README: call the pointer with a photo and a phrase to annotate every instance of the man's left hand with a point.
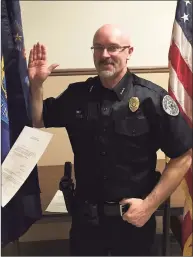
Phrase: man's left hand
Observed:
(137, 213)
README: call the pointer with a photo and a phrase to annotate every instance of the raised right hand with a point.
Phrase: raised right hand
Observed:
(38, 69)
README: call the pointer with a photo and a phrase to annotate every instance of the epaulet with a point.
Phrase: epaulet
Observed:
(91, 79)
(148, 84)
(91, 82)
(83, 84)
(168, 104)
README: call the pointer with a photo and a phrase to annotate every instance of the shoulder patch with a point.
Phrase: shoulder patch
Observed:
(170, 106)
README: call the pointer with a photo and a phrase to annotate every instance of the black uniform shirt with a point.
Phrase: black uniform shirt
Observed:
(114, 145)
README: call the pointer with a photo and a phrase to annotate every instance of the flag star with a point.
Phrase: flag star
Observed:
(18, 37)
(185, 17)
(187, 2)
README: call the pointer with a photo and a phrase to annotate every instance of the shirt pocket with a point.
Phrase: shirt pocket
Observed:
(132, 126)
(83, 121)
(79, 117)
(131, 139)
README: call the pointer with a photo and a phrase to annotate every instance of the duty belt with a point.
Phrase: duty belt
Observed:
(106, 209)
(115, 209)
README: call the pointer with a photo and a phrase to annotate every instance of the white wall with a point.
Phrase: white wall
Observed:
(67, 28)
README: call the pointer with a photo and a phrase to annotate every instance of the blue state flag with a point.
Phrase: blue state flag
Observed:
(25, 207)
(5, 139)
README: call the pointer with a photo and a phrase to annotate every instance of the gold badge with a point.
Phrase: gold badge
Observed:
(134, 104)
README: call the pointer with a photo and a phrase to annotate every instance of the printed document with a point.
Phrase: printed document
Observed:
(21, 159)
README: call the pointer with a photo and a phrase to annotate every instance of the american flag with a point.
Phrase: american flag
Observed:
(180, 88)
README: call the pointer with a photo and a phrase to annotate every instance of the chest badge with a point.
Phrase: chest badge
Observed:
(134, 104)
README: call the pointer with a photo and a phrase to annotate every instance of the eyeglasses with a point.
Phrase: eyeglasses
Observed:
(113, 49)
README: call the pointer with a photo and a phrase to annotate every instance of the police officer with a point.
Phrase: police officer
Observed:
(116, 122)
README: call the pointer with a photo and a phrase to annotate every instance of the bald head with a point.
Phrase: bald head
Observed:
(112, 49)
(110, 33)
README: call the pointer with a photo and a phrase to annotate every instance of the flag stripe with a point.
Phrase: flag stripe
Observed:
(188, 177)
(185, 48)
(187, 251)
(180, 94)
(188, 200)
(187, 229)
(180, 88)
(180, 108)
(179, 65)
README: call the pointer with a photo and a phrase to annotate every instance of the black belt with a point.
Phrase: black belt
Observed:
(92, 210)
(115, 209)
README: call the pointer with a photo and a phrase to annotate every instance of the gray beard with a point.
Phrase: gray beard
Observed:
(106, 74)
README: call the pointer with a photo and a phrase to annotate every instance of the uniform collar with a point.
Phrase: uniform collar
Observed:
(122, 87)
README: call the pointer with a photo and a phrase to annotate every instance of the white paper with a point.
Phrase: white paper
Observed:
(21, 159)
(57, 204)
